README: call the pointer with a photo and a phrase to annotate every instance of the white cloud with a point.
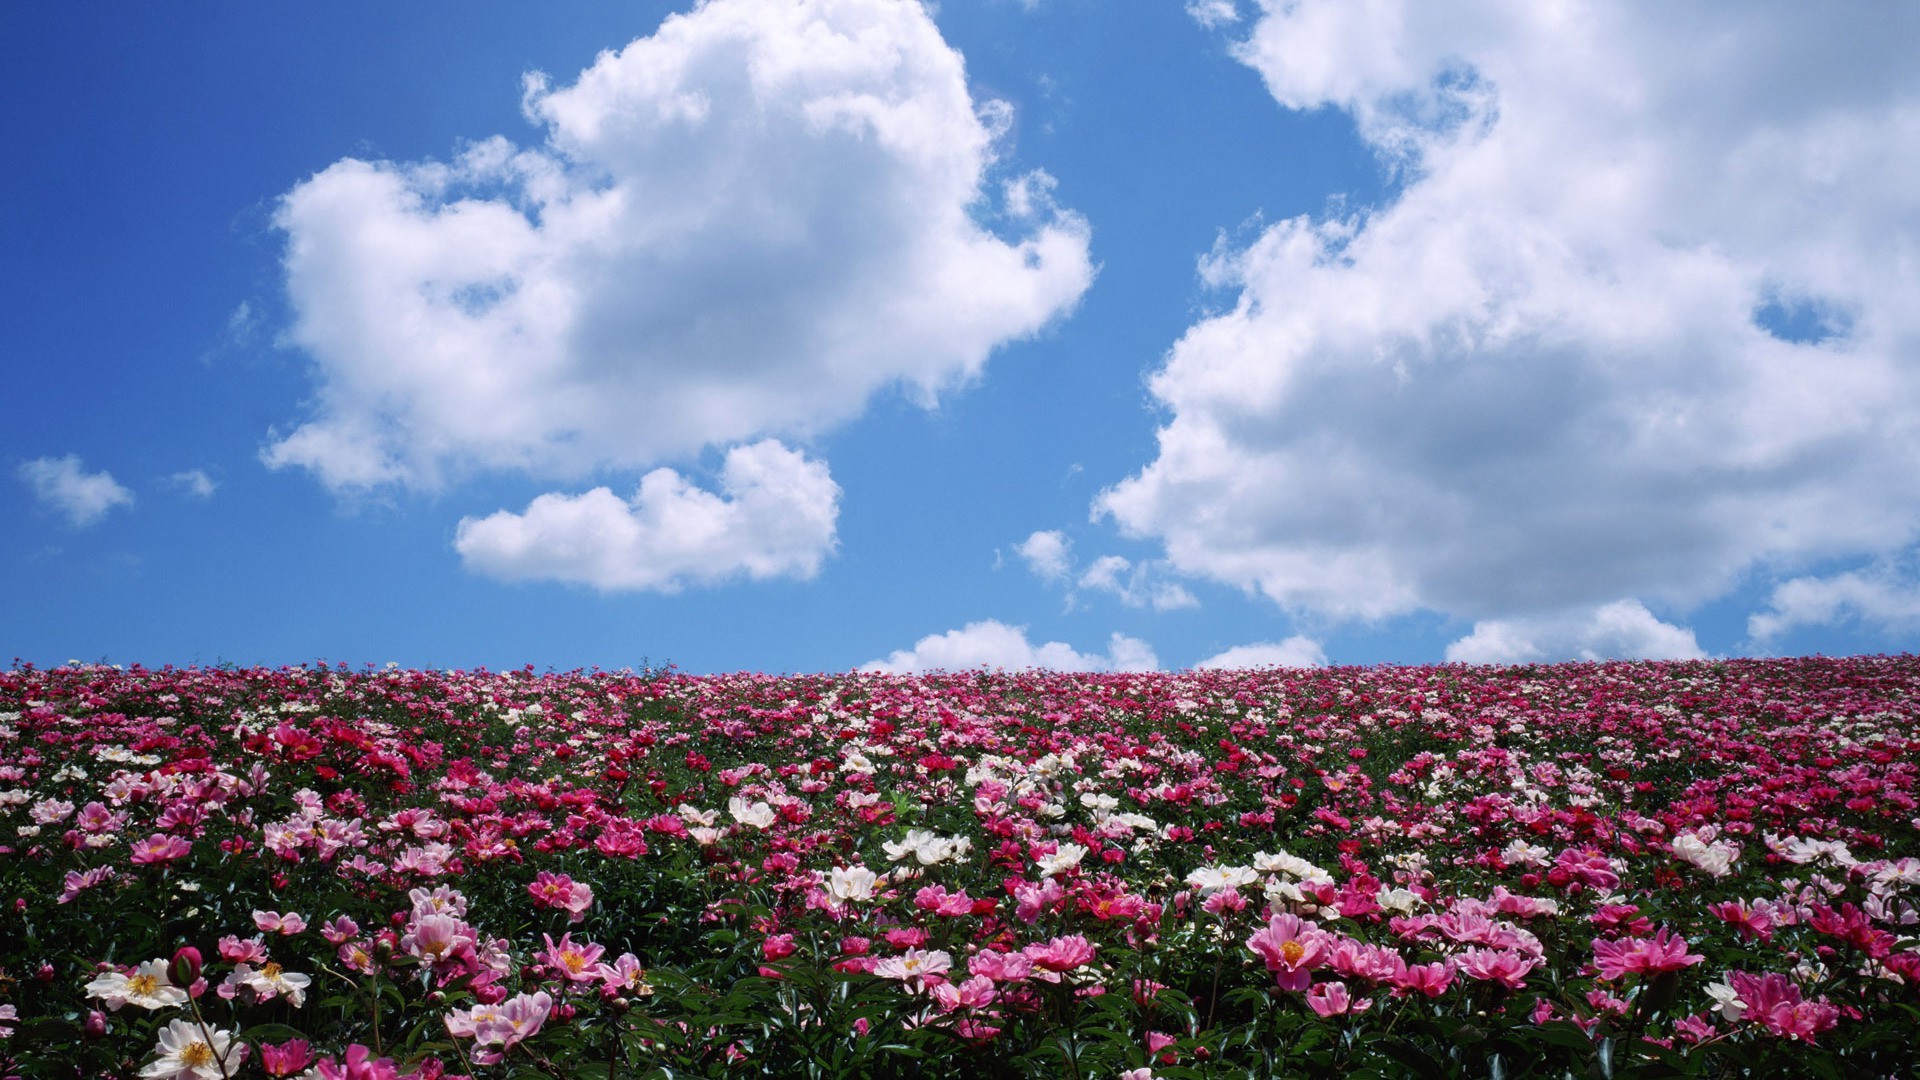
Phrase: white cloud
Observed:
(1297, 651)
(1213, 14)
(1136, 584)
(994, 644)
(775, 517)
(743, 225)
(1622, 630)
(1046, 554)
(1049, 554)
(64, 486)
(1557, 368)
(1878, 596)
(195, 482)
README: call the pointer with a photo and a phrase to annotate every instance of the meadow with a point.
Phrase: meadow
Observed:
(1609, 870)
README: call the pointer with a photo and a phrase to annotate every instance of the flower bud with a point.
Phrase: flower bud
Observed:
(96, 1025)
(185, 968)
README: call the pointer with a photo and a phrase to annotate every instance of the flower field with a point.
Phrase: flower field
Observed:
(1630, 869)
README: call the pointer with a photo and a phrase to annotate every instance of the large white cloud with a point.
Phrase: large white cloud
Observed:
(63, 485)
(1624, 630)
(743, 225)
(994, 644)
(1881, 596)
(1298, 651)
(774, 518)
(1639, 322)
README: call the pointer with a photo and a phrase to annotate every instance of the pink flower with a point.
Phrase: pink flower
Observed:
(159, 848)
(1575, 866)
(561, 892)
(438, 938)
(339, 929)
(1509, 969)
(625, 975)
(285, 1059)
(1774, 1002)
(777, 946)
(1060, 954)
(1753, 923)
(1332, 999)
(575, 963)
(972, 994)
(999, 966)
(251, 951)
(1291, 948)
(1429, 979)
(273, 921)
(359, 1065)
(938, 900)
(77, 882)
(1664, 951)
(496, 1028)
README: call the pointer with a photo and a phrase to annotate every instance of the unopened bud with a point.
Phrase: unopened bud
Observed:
(185, 969)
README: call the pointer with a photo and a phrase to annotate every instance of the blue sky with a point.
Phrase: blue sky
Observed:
(799, 335)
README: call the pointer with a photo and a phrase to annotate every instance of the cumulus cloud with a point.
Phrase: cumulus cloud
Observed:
(1297, 651)
(1622, 630)
(63, 486)
(1047, 554)
(1879, 595)
(743, 225)
(994, 644)
(774, 517)
(1638, 321)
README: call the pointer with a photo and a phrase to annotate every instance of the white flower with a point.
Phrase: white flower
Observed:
(1213, 879)
(189, 1052)
(148, 987)
(271, 981)
(1726, 1000)
(846, 883)
(1714, 857)
(915, 964)
(1521, 853)
(928, 848)
(759, 814)
(1066, 858)
(1402, 901)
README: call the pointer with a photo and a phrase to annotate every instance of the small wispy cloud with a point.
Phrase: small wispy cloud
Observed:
(63, 485)
(195, 482)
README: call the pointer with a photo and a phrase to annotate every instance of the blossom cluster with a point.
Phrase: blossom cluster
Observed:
(382, 874)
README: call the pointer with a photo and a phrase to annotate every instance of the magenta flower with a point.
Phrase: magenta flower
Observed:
(285, 1059)
(575, 963)
(1664, 951)
(999, 966)
(360, 1064)
(972, 994)
(1774, 1002)
(1429, 979)
(159, 848)
(1060, 954)
(561, 892)
(1509, 969)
